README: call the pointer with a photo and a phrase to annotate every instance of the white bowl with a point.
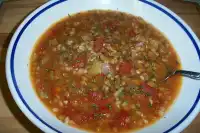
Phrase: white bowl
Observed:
(185, 107)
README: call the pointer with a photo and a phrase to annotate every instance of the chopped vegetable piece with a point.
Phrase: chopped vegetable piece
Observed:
(56, 91)
(125, 68)
(98, 44)
(148, 89)
(105, 69)
(95, 68)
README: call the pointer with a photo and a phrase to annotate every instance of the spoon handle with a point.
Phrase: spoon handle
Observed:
(189, 74)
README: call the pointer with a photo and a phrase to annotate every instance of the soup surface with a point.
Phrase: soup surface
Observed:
(103, 71)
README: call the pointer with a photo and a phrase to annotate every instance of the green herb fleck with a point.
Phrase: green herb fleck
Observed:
(121, 94)
(78, 61)
(150, 105)
(147, 94)
(146, 58)
(105, 97)
(125, 103)
(109, 106)
(138, 91)
(98, 115)
(152, 76)
(95, 106)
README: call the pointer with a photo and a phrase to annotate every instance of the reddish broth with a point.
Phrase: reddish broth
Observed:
(102, 71)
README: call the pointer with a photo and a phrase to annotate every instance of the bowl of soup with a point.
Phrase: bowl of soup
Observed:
(73, 66)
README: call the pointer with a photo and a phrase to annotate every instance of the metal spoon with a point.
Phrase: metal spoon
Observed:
(189, 74)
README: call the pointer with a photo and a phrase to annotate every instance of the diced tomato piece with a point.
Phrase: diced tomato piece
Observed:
(142, 99)
(52, 34)
(55, 91)
(148, 89)
(78, 84)
(125, 68)
(80, 62)
(103, 109)
(112, 26)
(104, 26)
(132, 33)
(40, 87)
(69, 110)
(98, 44)
(101, 75)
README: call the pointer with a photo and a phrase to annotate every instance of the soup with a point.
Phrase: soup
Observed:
(103, 71)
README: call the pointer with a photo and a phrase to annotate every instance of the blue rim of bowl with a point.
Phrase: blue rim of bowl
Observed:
(60, 1)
